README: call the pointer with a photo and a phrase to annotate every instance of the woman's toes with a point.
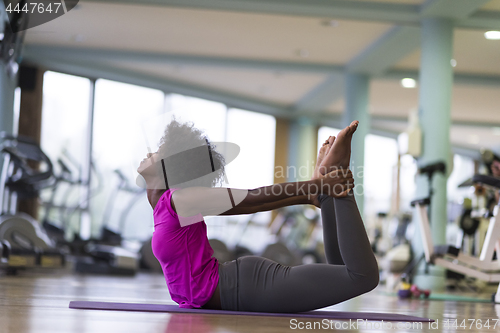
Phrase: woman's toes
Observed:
(353, 126)
(323, 150)
(329, 145)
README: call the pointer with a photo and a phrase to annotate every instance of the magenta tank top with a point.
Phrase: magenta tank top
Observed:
(185, 255)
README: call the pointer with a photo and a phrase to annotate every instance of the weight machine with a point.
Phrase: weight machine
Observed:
(485, 267)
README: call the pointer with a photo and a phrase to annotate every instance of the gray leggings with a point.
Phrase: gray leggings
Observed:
(261, 285)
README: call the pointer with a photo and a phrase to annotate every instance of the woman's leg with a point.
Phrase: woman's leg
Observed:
(264, 285)
(331, 243)
(258, 284)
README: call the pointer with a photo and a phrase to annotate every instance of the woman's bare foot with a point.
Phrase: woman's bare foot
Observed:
(323, 151)
(339, 154)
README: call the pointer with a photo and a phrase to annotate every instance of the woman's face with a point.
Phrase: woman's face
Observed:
(150, 160)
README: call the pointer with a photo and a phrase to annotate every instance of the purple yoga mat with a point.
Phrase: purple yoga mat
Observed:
(312, 314)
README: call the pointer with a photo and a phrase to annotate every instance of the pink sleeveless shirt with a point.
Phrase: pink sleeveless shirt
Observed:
(185, 255)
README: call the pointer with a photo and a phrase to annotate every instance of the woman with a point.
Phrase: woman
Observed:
(181, 193)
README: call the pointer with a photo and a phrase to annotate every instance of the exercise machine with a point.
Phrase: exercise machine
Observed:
(485, 267)
(394, 237)
(221, 251)
(109, 235)
(474, 218)
(57, 229)
(224, 253)
(295, 232)
(26, 170)
(4, 254)
(278, 250)
(107, 255)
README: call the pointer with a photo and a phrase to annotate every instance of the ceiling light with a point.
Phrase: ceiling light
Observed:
(493, 35)
(330, 23)
(408, 83)
(453, 63)
(1, 36)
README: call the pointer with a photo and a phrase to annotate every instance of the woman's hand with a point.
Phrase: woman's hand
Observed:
(336, 183)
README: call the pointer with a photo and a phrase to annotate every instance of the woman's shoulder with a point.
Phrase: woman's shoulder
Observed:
(165, 204)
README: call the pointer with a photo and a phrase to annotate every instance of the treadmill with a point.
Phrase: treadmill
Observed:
(25, 171)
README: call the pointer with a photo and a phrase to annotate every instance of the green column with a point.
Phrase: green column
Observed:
(435, 85)
(302, 152)
(357, 96)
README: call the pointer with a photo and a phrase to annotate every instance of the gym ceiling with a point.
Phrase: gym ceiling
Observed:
(283, 57)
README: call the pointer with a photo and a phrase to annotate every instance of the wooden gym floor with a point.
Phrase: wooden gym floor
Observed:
(38, 302)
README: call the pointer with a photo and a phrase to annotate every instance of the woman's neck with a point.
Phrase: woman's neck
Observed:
(154, 195)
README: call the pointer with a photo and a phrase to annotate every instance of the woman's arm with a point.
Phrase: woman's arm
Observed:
(217, 201)
(297, 200)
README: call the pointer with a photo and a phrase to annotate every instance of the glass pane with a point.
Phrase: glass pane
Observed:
(121, 115)
(254, 167)
(208, 116)
(323, 133)
(65, 113)
(381, 158)
(255, 134)
(408, 186)
(17, 106)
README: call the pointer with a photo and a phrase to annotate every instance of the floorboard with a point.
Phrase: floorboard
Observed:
(37, 302)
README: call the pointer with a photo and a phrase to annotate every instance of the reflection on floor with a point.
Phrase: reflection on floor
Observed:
(34, 302)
